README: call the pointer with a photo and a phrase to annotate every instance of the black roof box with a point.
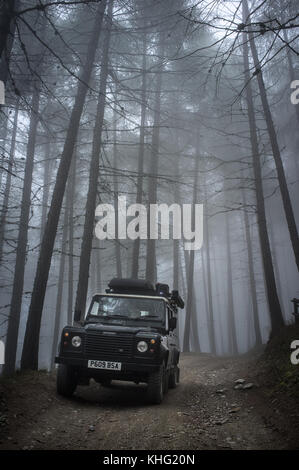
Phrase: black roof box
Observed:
(131, 286)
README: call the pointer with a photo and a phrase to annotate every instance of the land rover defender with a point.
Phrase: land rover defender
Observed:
(128, 333)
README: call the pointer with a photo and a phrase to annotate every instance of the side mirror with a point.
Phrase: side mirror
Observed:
(172, 323)
(175, 296)
(77, 316)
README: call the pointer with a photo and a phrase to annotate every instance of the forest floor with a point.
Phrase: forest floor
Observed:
(205, 411)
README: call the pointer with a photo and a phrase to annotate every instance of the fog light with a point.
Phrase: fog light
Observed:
(76, 341)
(142, 346)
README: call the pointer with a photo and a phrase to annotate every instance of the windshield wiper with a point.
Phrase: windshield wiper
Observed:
(117, 316)
(108, 316)
(145, 317)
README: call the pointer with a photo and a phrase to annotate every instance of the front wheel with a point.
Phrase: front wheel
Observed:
(66, 380)
(174, 377)
(155, 386)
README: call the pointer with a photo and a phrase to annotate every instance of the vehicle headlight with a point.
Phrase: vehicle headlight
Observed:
(76, 341)
(142, 346)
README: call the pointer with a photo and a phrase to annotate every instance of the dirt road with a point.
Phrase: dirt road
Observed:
(203, 412)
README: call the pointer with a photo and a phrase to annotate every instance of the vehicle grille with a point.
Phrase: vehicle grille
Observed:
(110, 347)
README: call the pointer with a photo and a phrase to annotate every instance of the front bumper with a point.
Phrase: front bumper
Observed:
(128, 368)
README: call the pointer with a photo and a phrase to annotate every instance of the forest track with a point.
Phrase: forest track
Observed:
(203, 412)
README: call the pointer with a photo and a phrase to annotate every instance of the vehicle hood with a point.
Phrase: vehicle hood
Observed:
(99, 327)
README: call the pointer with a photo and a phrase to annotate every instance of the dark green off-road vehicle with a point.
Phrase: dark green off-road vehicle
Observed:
(128, 333)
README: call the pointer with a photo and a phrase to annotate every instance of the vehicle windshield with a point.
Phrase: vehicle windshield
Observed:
(134, 309)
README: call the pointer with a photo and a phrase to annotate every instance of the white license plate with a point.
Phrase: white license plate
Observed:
(104, 365)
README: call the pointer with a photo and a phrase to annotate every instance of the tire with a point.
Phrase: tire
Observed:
(173, 377)
(66, 381)
(156, 386)
(177, 374)
(166, 382)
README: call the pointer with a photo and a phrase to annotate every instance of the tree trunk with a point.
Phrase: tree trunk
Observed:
(115, 191)
(93, 178)
(151, 262)
(194, 338)
(18, 282)
(204, 286)
(287, 203)
(190, 277)
(275, 263)
(57, 316)
(31, 341)
(136, 243)
(3, 138)
(183, 286)
(176, 243)
(93, 277)
(7, 28)
(8, 182)
(232, 334)
(71, 198)
(257, 330)
(178, 287)
(98, 266)
(273, 300)
(46, 188)
(210, 310)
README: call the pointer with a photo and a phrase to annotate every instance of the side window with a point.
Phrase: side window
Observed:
(94, 308)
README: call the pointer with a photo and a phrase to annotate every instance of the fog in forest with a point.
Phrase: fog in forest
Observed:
(163, 102)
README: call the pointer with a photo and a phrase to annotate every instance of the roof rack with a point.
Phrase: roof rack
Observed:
(144, 287)
(129, 286)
